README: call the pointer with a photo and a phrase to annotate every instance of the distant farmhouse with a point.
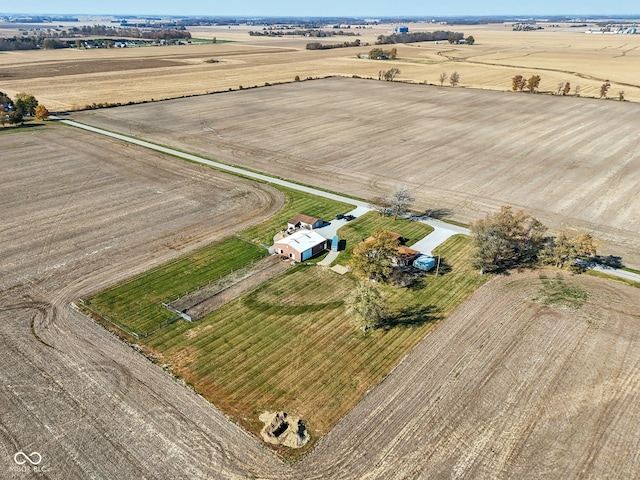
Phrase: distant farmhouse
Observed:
(401, 29)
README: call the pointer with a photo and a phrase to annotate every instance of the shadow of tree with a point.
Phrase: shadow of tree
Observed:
(438, 213)
(414, 316)
(443, 269)
(612, 261)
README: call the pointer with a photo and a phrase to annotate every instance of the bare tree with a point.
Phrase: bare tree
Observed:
(604, 89)
(566, 89)
(381, 205)
(400, 201)
(560, 85)
(443, 78)
(577, 90)
(454, 79)
(621, 95)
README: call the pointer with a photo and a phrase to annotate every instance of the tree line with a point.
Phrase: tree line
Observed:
(512, 239)
(520, 83)
(301, 33)
(131, 32)
(329, 46)
(14, 43)
(55, 40)
(412, 37)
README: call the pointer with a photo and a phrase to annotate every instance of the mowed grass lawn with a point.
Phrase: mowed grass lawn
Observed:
(136, 305)
(290, 345)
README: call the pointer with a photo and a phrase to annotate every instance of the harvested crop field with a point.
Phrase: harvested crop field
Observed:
(506, 387)
(558, 53)
(571, 162)
(80, 212)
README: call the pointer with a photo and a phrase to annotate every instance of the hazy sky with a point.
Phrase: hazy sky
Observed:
(369, 8)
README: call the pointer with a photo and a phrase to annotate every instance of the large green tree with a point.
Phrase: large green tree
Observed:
(367, 305)
(371, 259)
(26, 104)
(507, 239)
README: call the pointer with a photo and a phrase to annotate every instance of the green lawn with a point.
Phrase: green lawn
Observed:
(136, 305)
(291, 345)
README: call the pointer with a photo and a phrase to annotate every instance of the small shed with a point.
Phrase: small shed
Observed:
(304, 221)
(424, 262)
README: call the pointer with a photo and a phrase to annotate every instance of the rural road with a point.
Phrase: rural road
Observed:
(442, 230)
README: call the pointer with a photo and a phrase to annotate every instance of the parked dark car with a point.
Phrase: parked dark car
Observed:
(348, 218)
(339, 216)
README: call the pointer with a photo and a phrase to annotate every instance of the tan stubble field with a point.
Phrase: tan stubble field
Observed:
(70, 79)
(467, 151)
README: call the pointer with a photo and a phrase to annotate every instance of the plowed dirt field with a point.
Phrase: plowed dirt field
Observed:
(571, 162)
(78, 212)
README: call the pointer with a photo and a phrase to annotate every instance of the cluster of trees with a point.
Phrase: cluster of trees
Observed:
(372, 261)
(131, 32)
(328, 46)
(388, 75)
(454, 78)
(24, 105)
(510, 239)
(50, 41)
(412, 37)
(15, 43)
(564, 88)
(519, 83)
(380, 54)
(302, 33)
